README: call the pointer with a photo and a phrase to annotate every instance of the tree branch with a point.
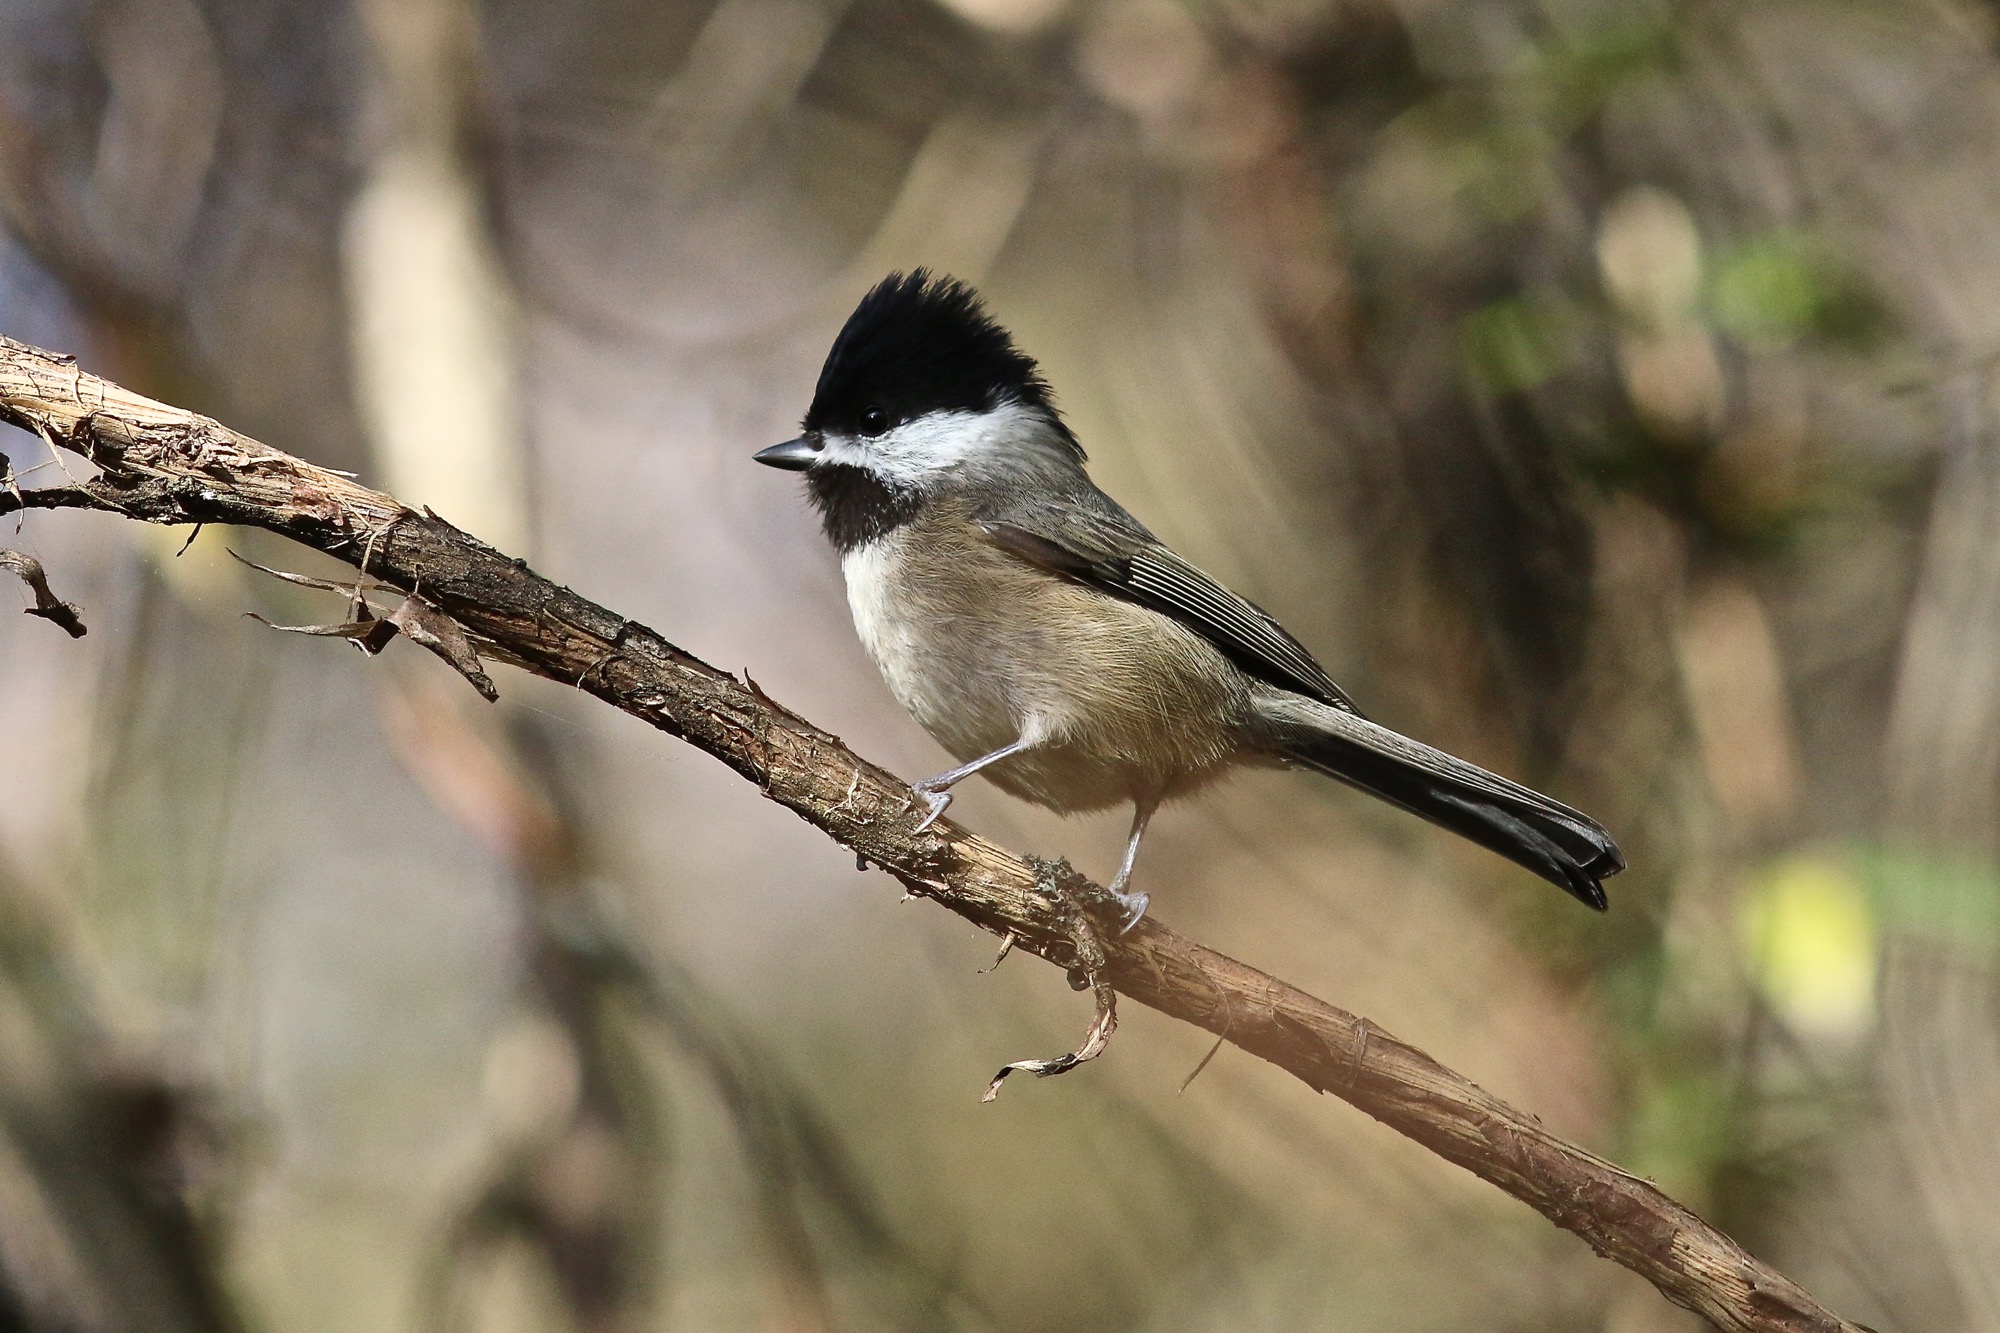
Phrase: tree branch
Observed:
(160, 464)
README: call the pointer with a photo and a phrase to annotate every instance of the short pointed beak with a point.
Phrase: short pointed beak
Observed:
(793, 455)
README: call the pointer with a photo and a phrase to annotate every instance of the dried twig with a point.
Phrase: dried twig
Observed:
(1102, 1025)
(47, 605)
(1087, 973)
(165, 465)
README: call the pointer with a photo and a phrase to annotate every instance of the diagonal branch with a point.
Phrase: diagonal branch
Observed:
(161, 464)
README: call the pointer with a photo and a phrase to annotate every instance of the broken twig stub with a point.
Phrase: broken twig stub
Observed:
(47, 605)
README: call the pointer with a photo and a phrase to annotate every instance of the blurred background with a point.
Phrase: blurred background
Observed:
(1604, 389)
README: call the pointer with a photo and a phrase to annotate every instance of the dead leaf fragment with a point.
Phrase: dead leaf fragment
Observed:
(369, 633)
(426, 625)
(431, 628)
(1102, 1025)
(47, 605)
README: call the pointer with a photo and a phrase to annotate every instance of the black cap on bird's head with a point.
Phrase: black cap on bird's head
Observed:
(915, 346)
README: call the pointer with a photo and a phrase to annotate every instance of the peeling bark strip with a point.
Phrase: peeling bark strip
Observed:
(163, 465)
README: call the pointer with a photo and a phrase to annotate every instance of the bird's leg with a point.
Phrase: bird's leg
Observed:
(937, 791)
(1134, 904)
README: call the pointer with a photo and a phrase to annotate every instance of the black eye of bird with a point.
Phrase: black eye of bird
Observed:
(874, 421)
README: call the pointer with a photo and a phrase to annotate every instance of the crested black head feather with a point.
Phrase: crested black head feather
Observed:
(918, 344)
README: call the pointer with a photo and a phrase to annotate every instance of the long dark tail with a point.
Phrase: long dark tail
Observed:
(1564, 846)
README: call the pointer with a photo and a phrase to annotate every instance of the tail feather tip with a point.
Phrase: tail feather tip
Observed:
(1586, 882)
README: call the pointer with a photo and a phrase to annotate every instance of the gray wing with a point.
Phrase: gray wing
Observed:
(1098, 544)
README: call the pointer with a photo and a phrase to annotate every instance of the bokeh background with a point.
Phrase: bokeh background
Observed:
(1605, 389)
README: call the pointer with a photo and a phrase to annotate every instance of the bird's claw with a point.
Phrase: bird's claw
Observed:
(1126, 907)
(1132, 906)
(938, 801)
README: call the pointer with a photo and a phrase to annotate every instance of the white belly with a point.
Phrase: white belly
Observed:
(936, 665)
(984, 650)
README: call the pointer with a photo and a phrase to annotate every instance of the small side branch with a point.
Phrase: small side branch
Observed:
(47, 605)
(161, 464)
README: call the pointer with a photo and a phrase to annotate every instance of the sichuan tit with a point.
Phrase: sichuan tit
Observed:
(1050, 642)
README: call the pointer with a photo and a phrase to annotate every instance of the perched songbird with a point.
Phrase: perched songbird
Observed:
(1050, 642)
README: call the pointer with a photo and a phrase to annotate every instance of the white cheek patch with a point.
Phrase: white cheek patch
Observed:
(842, 449)
(919, 450)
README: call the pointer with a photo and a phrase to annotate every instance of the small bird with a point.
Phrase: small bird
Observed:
(1050, 642)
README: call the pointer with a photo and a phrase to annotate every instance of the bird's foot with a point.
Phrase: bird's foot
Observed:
(1132, 906)
(1128, 907)
(937, 801)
